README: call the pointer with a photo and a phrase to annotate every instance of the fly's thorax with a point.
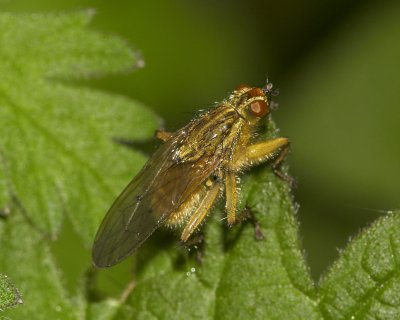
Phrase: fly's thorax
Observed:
(209, 134)
(238, 141)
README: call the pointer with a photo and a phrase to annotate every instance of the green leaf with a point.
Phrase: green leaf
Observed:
(57, 157)
(9, 295)
(26, 256)
(56, 137)
(365, 281)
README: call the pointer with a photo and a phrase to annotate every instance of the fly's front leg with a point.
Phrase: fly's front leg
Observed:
(262, 151)
(259, 152)
(278, 172)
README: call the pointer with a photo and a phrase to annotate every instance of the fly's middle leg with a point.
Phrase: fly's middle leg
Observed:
(204, 207)
(231, 193)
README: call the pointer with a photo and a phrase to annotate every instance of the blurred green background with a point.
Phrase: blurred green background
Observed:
(337, 64)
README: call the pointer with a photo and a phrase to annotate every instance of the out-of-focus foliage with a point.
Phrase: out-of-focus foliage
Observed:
(54, 138)
(48, 159)
(343, 121)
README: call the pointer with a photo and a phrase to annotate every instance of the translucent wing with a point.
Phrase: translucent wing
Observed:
(149, 199)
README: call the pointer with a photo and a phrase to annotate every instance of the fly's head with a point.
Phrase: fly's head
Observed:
(251, 103)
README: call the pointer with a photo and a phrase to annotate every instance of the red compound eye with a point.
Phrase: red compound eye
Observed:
(259, 108)
(256, 92)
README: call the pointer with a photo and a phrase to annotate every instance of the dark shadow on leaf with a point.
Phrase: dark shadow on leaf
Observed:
(161, 241)
(146, 146)
(91, 292)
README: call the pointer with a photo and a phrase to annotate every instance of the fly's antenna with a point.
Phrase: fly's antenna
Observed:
(269, 90)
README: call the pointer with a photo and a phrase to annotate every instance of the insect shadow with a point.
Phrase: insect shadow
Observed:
(231, 235)
(161, 241)
(146, 146)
